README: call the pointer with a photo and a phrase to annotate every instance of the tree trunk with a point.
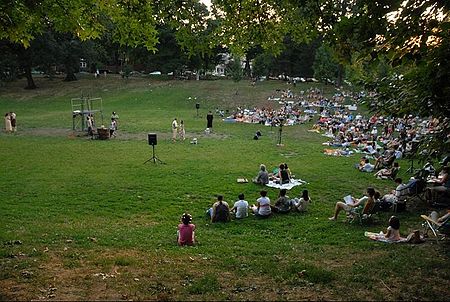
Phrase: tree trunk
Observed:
(247, 69)
(70, 76)
(340, 75)
(30, 81)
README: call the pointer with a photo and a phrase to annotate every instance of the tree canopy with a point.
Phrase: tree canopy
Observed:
(399, 48)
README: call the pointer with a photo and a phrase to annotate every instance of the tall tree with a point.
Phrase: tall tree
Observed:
(325, 66)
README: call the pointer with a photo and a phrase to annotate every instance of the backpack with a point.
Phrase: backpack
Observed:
(222, 213)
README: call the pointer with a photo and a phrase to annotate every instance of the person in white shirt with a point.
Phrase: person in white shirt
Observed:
(262, 208)
(240, 207)
(174, 129)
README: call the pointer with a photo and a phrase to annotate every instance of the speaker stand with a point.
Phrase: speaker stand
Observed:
(154, 158)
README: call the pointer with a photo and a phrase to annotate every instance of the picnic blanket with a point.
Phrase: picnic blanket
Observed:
(288, 186)
(380, 237)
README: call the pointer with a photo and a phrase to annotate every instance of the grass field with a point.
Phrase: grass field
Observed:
(86, 219)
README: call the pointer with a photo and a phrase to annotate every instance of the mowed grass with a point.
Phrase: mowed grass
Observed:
(95, 222)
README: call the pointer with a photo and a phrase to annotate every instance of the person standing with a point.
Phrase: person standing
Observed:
(90, 125)
(182, 131)
(113, 128)
(115, 116)
(209, 120)
(174, 129)
(13, 121)
(8, 127)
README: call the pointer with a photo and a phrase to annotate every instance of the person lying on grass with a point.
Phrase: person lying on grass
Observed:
(186, 231)
(366, 201)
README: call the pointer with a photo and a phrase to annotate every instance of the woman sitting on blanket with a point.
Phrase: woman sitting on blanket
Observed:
(288, 170)
(392, 232)
(283, 175)
(367, 201)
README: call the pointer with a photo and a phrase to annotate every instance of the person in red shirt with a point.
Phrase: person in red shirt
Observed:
(186, 231)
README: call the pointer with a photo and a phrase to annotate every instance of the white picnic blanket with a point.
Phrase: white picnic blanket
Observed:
(288, 186)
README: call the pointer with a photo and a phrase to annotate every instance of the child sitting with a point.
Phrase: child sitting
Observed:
(392, 233)
(186, 231)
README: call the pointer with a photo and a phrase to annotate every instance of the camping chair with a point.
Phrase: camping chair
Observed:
(417, 189)
(440, 230)
(356, 214)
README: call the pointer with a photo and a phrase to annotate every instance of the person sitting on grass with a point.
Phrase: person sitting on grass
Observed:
(282, 204)
(366, 201)
(385, 161)
(392, 231)
(220, 211)
(367, 167)
(263, 176)
(386, 173)
(262, 207)
(186, 231)
(301, 204)
(240, 207)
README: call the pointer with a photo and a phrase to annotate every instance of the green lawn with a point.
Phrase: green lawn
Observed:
(95, 222)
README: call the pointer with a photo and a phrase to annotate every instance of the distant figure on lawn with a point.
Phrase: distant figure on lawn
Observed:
(115, 117)
(209, 120)
(220, 211)
(112, 128)
(174, 129)
(263, 176)
(8, 127)
(13, 121)
(182, 131)
(90, 125)
(186, 231)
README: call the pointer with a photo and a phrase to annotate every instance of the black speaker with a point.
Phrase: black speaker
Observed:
(152, 139)
(197, 105)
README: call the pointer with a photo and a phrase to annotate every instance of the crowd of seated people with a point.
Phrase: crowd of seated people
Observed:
(220, 211)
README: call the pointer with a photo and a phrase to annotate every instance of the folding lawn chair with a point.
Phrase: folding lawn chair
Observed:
(356, 214)
(440, 230)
